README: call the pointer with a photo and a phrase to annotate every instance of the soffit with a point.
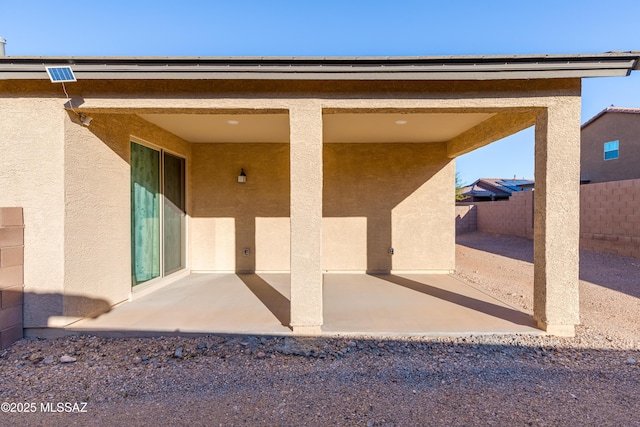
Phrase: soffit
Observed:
(398, 127)
(337, 128)
(224, 128)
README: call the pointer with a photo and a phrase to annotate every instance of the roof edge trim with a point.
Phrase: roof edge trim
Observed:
(331, 68)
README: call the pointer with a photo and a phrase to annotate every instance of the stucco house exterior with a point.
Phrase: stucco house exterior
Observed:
(133, 179)
(610, 146)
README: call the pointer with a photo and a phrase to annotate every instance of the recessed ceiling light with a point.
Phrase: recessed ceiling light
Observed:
(233, 122)
(401, 122)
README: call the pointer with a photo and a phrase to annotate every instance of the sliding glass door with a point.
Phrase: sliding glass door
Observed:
(174, 213)
(157, 213)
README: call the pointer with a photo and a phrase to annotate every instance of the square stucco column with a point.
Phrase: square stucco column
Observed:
(306, 217)
(557, 218)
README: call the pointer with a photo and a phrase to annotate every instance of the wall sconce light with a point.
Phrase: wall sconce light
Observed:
(85, 120)
(391, 251)
(242, 178)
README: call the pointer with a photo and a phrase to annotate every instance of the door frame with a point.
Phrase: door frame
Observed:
(163, 278)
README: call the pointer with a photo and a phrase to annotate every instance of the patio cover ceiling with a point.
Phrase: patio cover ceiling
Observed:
(338, 128)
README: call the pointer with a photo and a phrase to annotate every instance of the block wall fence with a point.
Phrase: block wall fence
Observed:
(466, 218)
(609, 217)
(11, 275)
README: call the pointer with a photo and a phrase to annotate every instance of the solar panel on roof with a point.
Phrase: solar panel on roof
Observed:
(61, 74)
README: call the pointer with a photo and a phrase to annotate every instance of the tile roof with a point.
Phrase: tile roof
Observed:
(611, 109)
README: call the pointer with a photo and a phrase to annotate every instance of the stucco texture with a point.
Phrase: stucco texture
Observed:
(375, 196)
(557, 217)
(32, 177)
(228, 217)
(382, 196)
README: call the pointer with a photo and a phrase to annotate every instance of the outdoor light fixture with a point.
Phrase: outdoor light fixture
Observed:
(401, 122)
(242, 178)
(85, 120)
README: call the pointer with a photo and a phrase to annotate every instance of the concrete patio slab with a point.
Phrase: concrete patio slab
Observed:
(415, 304)
(354, 304)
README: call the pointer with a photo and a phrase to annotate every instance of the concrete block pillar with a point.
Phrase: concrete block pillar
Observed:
(306, 217)
(557, 217)
(11, 275)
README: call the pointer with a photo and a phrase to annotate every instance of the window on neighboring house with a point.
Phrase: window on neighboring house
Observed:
(611, 150)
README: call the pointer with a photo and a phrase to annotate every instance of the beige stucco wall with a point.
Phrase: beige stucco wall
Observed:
(381, 196)
(73, 183)
(97, 224)
(227, 217)
(375, 196)
(32, 177)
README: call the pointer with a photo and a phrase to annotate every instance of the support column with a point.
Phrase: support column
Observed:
(306, 217)
(557, 218)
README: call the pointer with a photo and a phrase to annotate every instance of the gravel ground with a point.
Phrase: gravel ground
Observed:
(592, 379)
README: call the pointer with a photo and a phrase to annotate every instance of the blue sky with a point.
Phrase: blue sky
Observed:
(344, 28)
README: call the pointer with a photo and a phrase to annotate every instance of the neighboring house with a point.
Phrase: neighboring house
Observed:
(610, 146)
(155, 168)
(491, 189)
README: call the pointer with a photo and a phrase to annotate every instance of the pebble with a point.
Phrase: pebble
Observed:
(178, 353)
(631, 361)
(36, 358)
(67, 359)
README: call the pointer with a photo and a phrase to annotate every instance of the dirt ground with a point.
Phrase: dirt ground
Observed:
(609, 285)
(517, 380)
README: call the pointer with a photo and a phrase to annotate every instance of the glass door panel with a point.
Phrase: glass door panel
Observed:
(174, 213)
(145, 213)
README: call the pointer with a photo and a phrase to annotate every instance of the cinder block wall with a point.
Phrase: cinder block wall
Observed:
(11, 275)
(513, 217)
(610, 217)
(466, 218)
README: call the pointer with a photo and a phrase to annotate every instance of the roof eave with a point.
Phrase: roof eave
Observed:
(167, 75)
(332, 68)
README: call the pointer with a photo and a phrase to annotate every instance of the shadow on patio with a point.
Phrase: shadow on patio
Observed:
(354, 304)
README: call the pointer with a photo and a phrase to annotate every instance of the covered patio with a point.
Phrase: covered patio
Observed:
(287, 195)
(354, 304)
